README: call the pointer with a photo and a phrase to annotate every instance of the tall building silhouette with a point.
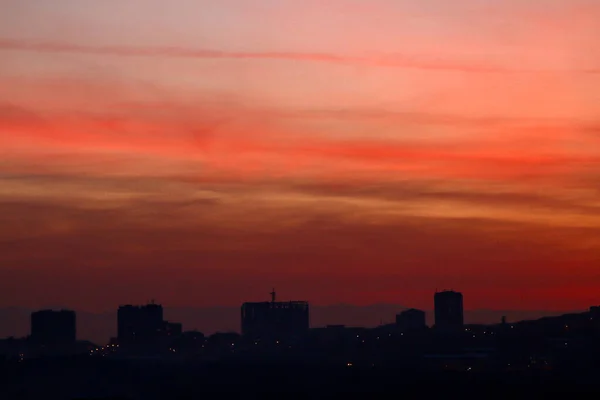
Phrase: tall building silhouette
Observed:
(52, 328)
(448, 310)
(275, 319)
(139, 323)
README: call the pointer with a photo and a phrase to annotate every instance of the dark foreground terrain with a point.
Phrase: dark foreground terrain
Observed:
(144, 379)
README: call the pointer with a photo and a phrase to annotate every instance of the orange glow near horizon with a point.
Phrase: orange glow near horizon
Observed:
(345, 152)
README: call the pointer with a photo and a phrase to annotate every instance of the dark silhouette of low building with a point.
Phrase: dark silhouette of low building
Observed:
(223, 344)
(411, 320)
(172, 329)
(275, 319)
(448, 310)
(190, 343)
(53, 328)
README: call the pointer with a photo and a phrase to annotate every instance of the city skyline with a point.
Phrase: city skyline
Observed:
(342, 152)
(97, 327)
(276, 315)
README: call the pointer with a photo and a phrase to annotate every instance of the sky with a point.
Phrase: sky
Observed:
(362, 152)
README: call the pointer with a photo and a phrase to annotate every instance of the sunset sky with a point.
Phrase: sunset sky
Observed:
(201, 152)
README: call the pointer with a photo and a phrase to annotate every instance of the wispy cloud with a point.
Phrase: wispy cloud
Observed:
(384, 60)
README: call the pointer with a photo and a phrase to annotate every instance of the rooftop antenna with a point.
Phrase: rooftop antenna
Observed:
(272, 296)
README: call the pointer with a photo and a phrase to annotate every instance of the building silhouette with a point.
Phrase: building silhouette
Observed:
(172, 329)
(136, 324)
(275, 319)
(143, 331)
(411, 320)
(448, 306)
(53, 328)
(277, 336)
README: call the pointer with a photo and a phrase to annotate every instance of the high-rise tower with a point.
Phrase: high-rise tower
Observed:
(449, 310)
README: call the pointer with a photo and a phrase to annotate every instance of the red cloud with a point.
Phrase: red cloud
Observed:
(255, 149)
